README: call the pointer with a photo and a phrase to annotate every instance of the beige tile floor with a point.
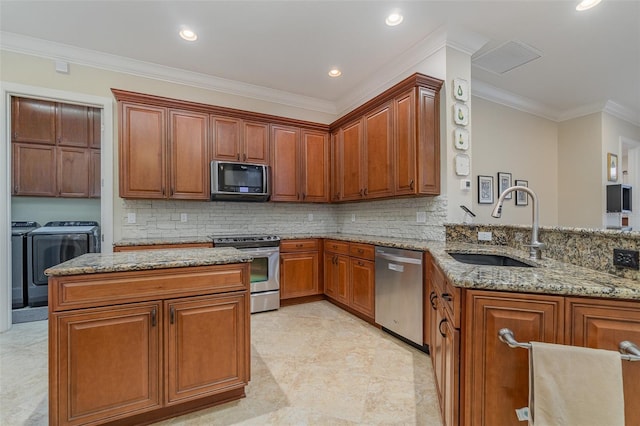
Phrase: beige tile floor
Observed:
(312, 364)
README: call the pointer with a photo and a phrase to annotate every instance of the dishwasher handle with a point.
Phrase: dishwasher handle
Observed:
(399, 259)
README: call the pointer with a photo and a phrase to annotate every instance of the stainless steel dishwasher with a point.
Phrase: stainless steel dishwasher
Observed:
(399, 293)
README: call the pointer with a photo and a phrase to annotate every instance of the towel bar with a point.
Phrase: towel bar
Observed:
(629, 351)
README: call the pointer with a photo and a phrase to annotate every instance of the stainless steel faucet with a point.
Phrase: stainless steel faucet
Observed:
(535, 248)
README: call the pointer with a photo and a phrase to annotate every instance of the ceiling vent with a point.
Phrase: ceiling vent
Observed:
(506, 57)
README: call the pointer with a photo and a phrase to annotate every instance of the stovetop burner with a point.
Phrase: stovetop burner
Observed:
(246, 241)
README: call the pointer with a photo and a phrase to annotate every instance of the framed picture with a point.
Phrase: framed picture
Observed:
(504, 182)
(461, 138)
(485, 189)
(612, 167)
(461, 89)
(461, 114)
(522, 198)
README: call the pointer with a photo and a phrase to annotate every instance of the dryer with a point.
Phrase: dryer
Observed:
(19, 232)
(52, 244)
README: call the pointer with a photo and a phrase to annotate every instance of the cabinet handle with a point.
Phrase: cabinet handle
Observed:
(442, 321)
(172, 315)
(360, 263)
(366, 191)
(335, 260)
(16, 189)
(163, 191)
(238, 156)
(304, 196)
(15, 135)
(338, 196)
(244, 157)
(411, 184)
(361, 191)
(432, 299)
(447, 297)
(360, 251)
(299, 245)
(153, 317)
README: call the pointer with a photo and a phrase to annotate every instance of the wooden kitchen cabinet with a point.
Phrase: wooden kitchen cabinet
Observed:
(603, 324)
(348, 162)
(300, 164)
(234, 139)
(490, 364)
(405, 144)
(299, 268)
(135, 347)
(350, 276)
(378, 153)
(52, 154)
(163, 153)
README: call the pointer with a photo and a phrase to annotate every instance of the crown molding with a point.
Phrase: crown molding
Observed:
(56, 51)
(622, 113)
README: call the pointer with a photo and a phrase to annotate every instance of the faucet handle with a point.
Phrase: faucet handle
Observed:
(536, 244)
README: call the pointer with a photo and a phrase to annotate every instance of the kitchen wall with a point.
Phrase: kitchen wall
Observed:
(507, 140)
(46, 209)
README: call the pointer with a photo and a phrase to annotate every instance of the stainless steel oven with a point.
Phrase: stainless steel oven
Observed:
(265, 268)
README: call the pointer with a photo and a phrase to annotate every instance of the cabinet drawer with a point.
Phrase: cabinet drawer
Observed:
(298, 245)
(335, 246)
(447, 295)
(92, 290)
(363, 251)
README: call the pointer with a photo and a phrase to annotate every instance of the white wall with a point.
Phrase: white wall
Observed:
(507, 140)
(46, 209)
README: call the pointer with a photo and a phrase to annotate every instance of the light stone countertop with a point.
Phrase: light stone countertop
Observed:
(548, 277)
(139, 260)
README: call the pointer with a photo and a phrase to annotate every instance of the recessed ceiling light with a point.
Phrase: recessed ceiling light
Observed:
(188, 34)
(335, 72)
(586, 4)
(394, 19)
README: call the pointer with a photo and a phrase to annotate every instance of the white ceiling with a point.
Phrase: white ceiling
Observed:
(285, 48)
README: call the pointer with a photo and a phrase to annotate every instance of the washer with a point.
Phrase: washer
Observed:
(19, 231)
(52, 244)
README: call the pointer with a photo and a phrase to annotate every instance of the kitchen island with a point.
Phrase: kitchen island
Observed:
(136, 337)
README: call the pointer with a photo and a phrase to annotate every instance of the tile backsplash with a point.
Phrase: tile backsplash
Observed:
(392, 218)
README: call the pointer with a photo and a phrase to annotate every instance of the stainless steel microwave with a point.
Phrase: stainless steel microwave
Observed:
(239, 181)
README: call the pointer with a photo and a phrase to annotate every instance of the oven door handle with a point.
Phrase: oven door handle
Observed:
(260, 251)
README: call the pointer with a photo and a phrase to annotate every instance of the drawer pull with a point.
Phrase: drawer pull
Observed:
(153, 317)
(299, 245)
(447, 297)
(432, 299)
(442, 321)
(172, 315)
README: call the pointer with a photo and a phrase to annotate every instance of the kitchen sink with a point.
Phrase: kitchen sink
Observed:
(488, 259)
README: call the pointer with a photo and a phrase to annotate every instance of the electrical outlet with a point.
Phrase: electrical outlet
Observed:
(183, 217)
(626, 258)
(131, 218)
(484, 236)
(421, 217)
(310, 217)
(353, 217)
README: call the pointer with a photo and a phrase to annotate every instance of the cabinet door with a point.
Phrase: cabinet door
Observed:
(95, 176)
(330, 274)
(255, 142)
(494, 366)
(405, 144)
(362, 292)
(73, 125)
(225, 138)
(285, 164)
(299, 274)
(188, 173)
(34, 170)
(108, 363)
(33, 121)
(95, 128)
(342, 279)
(450, 373)
(336, 166)
(352, 159)
(603, 324)
(315, 166)
(73, 172)
(428, 142)
(378, 147)
(142, 151)
(207, 348)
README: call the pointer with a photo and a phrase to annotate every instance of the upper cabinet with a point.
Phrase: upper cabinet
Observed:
(55, 149)
(163, 153)
(234, 139)
(300, 164)
(389, 146)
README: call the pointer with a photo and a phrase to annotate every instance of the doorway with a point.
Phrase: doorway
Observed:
(631, 176)
(106, 203)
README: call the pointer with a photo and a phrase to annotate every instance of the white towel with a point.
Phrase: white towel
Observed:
(574, 386)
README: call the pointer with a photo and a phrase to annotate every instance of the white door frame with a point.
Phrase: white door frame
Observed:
(633, 179)
(106, 200)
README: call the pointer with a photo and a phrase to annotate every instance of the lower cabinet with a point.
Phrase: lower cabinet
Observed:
(496, 376)
(603, 324)
(136, 362)
(299, 268)
(349, 272)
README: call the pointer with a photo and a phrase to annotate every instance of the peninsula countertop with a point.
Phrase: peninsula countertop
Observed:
(547, 277)
(94, 263)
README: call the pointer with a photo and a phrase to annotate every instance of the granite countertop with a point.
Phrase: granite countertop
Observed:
(128, 242)
(94, 263)
(548, 277)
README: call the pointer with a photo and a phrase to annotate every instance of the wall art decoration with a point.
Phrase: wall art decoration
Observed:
(612, 167)
(504, 182)
(485, 189)
(522, 198)
(460, 114)
(461, 138)
(461, 89)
